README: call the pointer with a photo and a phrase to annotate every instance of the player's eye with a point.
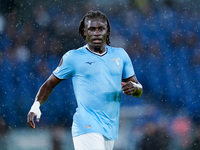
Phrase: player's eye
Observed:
(101, 29)
(92, 29)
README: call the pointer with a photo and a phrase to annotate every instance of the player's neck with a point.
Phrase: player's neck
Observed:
(98, 50)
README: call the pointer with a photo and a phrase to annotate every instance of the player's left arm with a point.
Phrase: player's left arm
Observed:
(131, 86)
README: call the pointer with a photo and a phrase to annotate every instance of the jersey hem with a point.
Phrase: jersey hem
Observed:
(76, 135)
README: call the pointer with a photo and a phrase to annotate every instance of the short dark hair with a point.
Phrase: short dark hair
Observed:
(92, 15)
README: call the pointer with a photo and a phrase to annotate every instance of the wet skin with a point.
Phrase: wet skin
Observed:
(96, 32)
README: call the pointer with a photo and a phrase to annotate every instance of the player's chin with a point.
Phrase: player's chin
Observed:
(99, 43)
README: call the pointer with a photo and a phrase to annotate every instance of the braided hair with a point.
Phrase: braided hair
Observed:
(92, 15)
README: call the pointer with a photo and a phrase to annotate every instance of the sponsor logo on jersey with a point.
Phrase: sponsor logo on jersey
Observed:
(90, 62)
(116, 60)
(87, 126)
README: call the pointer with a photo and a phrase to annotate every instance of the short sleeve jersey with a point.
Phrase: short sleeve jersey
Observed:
(97, 85)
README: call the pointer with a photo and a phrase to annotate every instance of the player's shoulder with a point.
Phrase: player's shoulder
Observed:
(115, 48)
(118, 50)
(74, 52)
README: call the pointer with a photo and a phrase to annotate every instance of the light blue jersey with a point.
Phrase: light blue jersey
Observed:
(97, 86)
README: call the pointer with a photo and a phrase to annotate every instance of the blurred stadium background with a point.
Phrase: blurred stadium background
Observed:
(163, 40)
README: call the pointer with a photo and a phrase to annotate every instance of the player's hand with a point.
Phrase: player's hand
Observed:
(30, 119)
(35, 111)
(128, 88)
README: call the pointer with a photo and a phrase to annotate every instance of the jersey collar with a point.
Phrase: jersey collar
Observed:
(86, 46)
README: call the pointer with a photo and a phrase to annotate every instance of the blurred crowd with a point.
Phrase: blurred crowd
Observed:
(161, 38)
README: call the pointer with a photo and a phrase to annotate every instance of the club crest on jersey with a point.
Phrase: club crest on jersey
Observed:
(61, 61)
(116, 60)
(58, 68)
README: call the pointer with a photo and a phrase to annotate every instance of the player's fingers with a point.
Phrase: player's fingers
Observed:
(123, 84)
(31, 124)
(126, 84)
(129, 91)
(30, 118)
(38, 119)
(125, 88)
(128, 88)
(32, 115)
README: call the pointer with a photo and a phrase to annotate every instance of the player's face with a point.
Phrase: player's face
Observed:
(96, 32)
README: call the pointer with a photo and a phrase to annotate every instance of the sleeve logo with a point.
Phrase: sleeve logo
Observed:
(61, 61)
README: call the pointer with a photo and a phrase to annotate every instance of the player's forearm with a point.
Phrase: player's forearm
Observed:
(43, 93)
(46, 89)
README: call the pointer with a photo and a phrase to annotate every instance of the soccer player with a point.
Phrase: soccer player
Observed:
(100, 73)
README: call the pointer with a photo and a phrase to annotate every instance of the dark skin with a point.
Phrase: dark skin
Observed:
(42, 95)
(96, 33)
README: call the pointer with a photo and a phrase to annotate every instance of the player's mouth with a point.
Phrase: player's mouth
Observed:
(97, 41)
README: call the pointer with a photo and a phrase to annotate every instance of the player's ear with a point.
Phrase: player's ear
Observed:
(84, 32)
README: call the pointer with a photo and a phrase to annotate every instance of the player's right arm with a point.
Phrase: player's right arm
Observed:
(42, 95)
